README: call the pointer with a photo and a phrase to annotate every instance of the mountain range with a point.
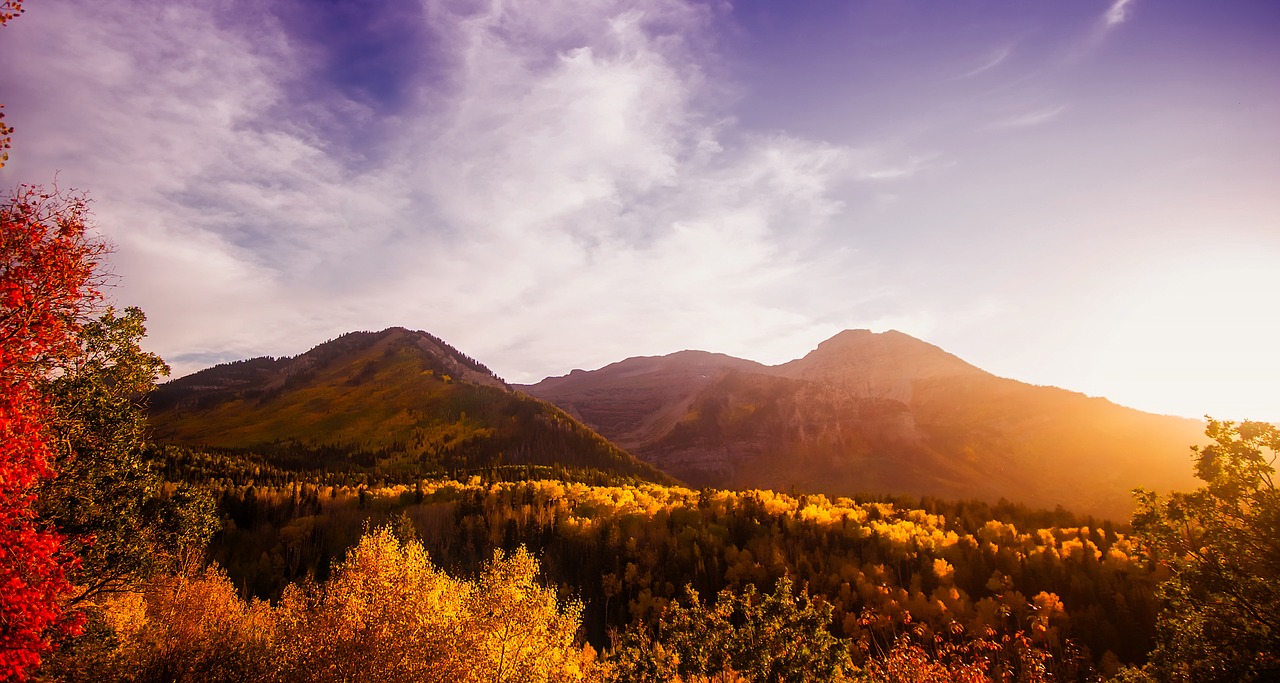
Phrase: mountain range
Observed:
(886, 413)
(864, 413)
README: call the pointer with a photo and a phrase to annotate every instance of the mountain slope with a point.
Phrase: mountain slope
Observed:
(884, 413)
(396, 400)
(639, 399)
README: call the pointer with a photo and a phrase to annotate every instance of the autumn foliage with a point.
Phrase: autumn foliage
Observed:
(48, 264)
(386, 614)
(1221, 608)
(9, 10)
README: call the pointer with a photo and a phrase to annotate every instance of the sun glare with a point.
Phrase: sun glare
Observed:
(1196, 338)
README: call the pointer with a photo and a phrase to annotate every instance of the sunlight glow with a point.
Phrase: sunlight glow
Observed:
(1196, 337)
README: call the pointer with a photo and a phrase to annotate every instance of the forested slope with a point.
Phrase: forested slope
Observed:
(396, 402)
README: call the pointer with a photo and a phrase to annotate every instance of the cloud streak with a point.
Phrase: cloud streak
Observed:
(1029, 119)
(996, 58)
(1118, 12)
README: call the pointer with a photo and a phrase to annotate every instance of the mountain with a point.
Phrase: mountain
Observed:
(640, 399)
(878, 413)
(395, 401)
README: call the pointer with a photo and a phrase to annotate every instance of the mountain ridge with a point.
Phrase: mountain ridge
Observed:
(863, 412)
(868, 411)
(404, 401)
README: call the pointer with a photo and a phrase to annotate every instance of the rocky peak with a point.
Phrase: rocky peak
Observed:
(875, 365)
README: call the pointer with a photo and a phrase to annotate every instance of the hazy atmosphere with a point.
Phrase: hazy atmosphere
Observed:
(1076, 193)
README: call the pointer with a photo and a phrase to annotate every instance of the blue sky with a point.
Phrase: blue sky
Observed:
(1068, 192)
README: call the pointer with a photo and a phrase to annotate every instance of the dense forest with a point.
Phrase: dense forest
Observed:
(627, 552)
(662, 582)
(122, 560)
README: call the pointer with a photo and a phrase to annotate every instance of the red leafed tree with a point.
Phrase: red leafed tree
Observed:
(48, 282)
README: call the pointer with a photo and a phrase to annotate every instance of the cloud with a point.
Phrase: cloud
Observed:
(558, 184)
(996, 58)
(1088, 42)
(1029, 119)
(615, 207)
(1118, 12)
(877, 167)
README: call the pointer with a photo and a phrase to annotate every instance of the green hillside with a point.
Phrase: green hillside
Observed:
(396, 401)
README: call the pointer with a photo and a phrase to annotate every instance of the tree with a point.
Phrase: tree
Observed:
(385, 614)
(48, 263)
(772, 638)
(388, 614)
(1221, 614)
(186, 627)
(108, 496)
(521, 631)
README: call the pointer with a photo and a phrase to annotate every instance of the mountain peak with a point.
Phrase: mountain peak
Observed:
(436, 352)
(863, 337)
(856, 337)
(875, 364)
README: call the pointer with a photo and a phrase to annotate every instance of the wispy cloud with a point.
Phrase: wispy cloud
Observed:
(560, 174)
(1028, 119)
(872, 166)
(994, 59)
(1118, 12)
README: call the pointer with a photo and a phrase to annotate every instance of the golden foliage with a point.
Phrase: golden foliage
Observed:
(386, 614)
(182, 628)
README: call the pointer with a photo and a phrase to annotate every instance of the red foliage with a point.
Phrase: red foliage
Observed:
(9, 10)
(47, 283)
(6, 137)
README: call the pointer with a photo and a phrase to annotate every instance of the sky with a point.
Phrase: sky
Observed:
(1079, 193)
